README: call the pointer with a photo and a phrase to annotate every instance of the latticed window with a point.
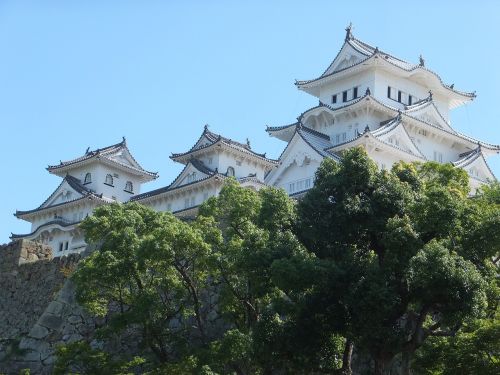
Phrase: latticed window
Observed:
(109, 180)
(88, 178)
(129, 187)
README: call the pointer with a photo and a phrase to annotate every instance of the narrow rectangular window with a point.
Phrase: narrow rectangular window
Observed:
(355, 93)
(399, 96)
(344, 136)
(409, 99)
(337, 138)
(388, 91)
(66, 245)
(334, 99)
(308, 183)
(291, 187)
(344, 96)
(60, 246)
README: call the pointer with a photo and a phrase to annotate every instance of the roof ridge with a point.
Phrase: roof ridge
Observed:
(312, 131)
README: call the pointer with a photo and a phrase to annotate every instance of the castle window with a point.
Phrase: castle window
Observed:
(109, 180)
(388, 91)
(344, 96)
(66, 245)
(129, 188)
(410, 99)
(334, 99)
(355, 93)
(88, 179)
(61, 246)
(230, 171)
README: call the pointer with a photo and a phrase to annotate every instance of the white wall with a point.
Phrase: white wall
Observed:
(362, 81)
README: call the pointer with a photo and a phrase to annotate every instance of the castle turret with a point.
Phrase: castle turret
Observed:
(396, 110)
(101, 176)
(212, 159)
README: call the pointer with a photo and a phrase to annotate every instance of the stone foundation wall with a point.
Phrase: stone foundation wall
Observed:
(32, 286)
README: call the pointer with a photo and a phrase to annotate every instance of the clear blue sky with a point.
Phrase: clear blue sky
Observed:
(75, 74)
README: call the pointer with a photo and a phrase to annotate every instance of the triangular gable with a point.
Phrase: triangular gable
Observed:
(189, 175)
(123, 156)
(430, 114)
(346, 57)
(202, 142)
(477, 167)
(297, 152)
(397, 136)
(63, 193)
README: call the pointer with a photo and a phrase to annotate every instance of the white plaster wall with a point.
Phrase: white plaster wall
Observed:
(99, 172)
(364, 79)
(177, 201)
(297, 174)
(384, 79)
(247, 166)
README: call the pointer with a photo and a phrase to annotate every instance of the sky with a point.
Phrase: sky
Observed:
(78, 74)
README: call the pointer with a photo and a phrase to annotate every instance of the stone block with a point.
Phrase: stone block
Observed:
(50, 321)
(49, 361)
(38, 332)
(73, 338)
(74, 319)
(67, 293)
(32, 356)
(28, 343)
(55, 308)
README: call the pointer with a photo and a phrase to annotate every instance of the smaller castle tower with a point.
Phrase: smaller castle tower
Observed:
(101, 176)
(211, 160)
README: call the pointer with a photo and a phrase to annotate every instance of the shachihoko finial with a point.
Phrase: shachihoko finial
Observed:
(367, 129)
(248, 143)
(205, 127)
(368, 92)
(422, 61)
(123, 139)
(348, 32)
(430, 94)
(87, 150)
(452, 86)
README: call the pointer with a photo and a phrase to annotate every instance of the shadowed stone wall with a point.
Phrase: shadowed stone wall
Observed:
(33, 300)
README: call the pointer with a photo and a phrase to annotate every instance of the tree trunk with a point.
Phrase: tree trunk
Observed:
(347, 358)
(379, 366)
(405, 363)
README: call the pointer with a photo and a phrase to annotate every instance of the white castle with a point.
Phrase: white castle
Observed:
(394, 109)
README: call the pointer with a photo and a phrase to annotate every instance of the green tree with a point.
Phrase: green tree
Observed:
(79, 358)
(474, 350)
(255, 236)
(150, 274)
(401, 253)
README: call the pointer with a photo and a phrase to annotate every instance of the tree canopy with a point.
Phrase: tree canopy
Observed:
(396, 265)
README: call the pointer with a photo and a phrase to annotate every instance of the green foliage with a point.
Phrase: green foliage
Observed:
(393, 261)
(79, 358)
(474, 350)
(406, 254)
(148, 275)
